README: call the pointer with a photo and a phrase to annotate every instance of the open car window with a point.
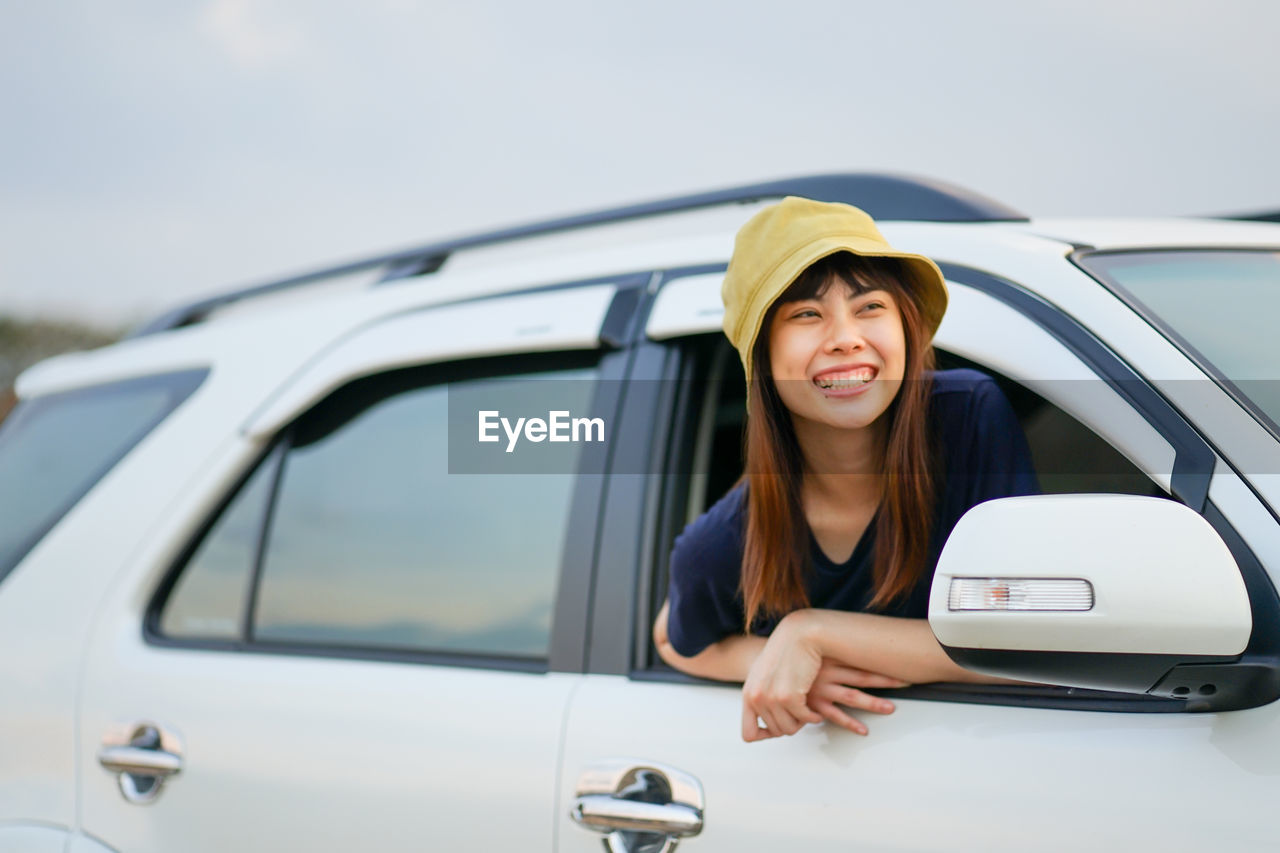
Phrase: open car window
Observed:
(1070, 458)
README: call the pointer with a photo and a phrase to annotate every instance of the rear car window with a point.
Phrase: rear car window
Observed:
(53, 449)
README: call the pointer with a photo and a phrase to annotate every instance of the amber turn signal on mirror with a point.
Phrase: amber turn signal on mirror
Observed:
(1020, 594)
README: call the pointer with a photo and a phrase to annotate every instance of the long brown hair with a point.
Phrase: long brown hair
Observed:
(775, 557)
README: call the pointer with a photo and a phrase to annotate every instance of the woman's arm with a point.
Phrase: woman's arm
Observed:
(732, 658)
(784, 674)
(728, 660)
(902, 648)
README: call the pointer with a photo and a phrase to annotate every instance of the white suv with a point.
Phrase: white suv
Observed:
(287, 570)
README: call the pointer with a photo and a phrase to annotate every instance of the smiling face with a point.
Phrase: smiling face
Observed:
(838, 357)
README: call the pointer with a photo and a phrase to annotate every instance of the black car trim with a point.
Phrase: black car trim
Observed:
(1016, 695)
(623, 516)
(591, 501)
(277, 460)
(380, 654)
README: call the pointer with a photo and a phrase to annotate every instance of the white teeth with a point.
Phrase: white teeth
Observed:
(842, 383)
(847, 380)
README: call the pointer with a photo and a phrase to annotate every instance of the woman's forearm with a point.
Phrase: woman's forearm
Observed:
(900, 648)
(729, 659)
(890, 645)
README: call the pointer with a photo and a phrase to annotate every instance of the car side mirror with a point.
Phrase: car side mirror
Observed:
(1111, 592)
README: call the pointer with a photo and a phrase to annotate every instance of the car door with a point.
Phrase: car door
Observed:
(954, 768)
(355, 635)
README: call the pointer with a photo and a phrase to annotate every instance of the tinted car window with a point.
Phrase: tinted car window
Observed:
(374, 542)
(1218, 305)
(53, 449)
(210, 596)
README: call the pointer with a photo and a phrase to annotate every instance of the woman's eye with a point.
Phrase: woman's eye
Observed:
(804, 312)
(872, 306)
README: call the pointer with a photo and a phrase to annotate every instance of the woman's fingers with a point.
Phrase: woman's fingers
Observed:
(754, 726)
(826, 696)
(751, 728)
(780, 721)
(767, 716)
(777, 718)
(840, 718)
(825, 701)
(798, 709)
(851, 697)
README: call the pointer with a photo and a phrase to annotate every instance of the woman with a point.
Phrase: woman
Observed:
(810, 578)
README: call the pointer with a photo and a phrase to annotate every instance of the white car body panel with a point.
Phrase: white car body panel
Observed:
(85, 844)
(1105, 233)
(32, 838)
(278, 755)
(940, 775)
(535, 322)
(687, 306)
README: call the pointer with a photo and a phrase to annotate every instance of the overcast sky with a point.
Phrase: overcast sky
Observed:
(157, 150)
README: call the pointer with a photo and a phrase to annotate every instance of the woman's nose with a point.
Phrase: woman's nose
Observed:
(844, 335)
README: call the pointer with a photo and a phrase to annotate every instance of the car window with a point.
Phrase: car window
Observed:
(54, 448)
(1068, 455)
(211, 594)
(374, 539)
(1196, 298)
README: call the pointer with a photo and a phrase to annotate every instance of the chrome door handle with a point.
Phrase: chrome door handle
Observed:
(144, 756)
(143, 762)
(606, 813)
(638, 805)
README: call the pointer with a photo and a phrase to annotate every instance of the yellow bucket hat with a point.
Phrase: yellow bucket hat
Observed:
(783, 240)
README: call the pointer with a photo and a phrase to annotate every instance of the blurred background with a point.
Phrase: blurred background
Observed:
(157, 151)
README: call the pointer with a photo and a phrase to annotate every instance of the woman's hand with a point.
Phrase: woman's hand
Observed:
(791, 684)
(836, 683)
(777, 686)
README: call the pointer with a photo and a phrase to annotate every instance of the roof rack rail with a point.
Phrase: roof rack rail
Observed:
(883, 196)
(1255, 216)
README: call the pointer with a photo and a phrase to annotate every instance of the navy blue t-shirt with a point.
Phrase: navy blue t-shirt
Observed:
(983, 455)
